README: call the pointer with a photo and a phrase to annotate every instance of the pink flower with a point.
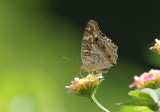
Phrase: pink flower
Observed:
(147, 80)
(156, 47)
(158, 104)
(86, 85)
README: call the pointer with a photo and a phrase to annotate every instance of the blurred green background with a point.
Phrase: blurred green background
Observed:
(34, 33)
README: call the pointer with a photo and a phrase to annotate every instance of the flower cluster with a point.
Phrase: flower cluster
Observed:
(85, 86)
(147, 80)
(156, 47)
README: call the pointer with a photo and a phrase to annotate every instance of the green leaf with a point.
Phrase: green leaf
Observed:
(152, 93)
(136, 109)
(143, 109)
(141, 98)
(158, 93)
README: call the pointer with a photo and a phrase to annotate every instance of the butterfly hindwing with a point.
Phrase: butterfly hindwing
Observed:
(98, 53)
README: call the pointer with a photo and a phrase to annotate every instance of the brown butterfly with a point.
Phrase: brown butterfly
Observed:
(98, 53)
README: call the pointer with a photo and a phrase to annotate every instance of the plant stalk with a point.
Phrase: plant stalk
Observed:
(98, 104)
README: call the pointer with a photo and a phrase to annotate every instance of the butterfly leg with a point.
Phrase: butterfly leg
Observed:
(80, 73)
(92, 71)
(77, 74)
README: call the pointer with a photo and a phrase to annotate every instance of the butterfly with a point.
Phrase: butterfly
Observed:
(98, 53)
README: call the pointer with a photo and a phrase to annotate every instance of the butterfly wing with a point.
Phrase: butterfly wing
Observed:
(98, 53)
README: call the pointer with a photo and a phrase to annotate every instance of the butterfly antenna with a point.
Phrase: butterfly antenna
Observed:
(77, 61)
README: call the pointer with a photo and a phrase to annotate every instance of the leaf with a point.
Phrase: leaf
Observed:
(158, 93)
(143, 109)
(136, 109)
(141, 98)
(152, 92)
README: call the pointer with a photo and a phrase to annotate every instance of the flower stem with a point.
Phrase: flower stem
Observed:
(98, 104)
